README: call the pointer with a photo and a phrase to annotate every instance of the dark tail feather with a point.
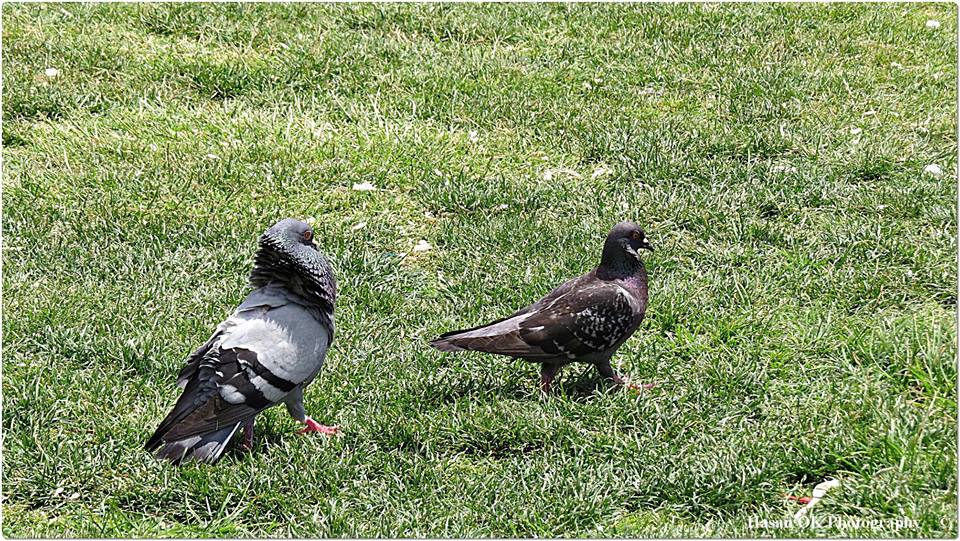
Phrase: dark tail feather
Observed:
(202, 447)
(446, 344)
(468, 340)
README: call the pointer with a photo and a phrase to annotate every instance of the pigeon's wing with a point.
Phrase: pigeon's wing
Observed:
(261, 354)
(581, 323)
(257, 300)
(194, 359)
(578, 322)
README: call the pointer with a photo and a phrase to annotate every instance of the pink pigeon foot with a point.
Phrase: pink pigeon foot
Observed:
(313, 426)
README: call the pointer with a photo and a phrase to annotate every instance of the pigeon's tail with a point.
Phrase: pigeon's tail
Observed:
(447, 344)
(500, 337)
(206, 448)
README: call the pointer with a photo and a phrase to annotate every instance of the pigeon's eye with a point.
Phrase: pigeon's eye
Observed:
(308, 235)
(636, 235)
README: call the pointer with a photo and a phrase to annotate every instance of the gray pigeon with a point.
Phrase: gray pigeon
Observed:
(585, 319)
(266, 352)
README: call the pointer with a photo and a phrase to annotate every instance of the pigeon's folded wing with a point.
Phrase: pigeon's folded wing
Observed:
(258, 356)
(578, 322)
(581, 322)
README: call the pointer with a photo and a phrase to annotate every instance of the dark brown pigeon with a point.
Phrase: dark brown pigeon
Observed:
(586, 319)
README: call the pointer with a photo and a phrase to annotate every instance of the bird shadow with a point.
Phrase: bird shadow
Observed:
(585, 386)
(265, 437)
(580, 387)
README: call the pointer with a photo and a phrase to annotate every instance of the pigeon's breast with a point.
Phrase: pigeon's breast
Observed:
(636, 289)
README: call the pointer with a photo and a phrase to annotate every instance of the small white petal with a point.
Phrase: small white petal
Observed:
(897, 65)
(503, 206)
(587, 85)
(933, 170)
(550, 173)
(473, 135)
(871, 112)
(933, 24)
(51, 72)
(599, 172)
(437, 172)
(154, 147)
(855, 131)
(212, 157)
(359, 226)
(422, 246)
(783, 168)
(364, 187)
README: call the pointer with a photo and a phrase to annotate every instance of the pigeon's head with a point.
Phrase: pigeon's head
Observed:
(288, 256)
(623, 245)
(288, 235)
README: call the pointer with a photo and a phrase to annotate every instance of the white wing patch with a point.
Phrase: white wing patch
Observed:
(287, 340)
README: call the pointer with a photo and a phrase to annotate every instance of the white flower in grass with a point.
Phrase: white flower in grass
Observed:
(855, 131)
(359, 226)
(153, 147)
(550, 173)
(51, 72)
(933, 24)
(783, 168)
(437, 172)
(364, 187)
(599, 172)
(473, 136)
(422, 246)
(933, 170)
(212, 157)
(897, 65)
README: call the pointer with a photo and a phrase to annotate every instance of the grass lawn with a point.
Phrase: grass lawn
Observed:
(803, 293)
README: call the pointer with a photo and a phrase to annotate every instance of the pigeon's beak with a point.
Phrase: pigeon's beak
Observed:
(646, 245)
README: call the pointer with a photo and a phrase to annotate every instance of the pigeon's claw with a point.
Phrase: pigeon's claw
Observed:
(608, 372)
(313, 426)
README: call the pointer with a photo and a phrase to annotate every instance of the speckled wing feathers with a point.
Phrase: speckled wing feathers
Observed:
(576, 321)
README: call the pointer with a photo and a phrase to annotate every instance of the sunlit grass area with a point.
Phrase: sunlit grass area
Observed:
(801, 324)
